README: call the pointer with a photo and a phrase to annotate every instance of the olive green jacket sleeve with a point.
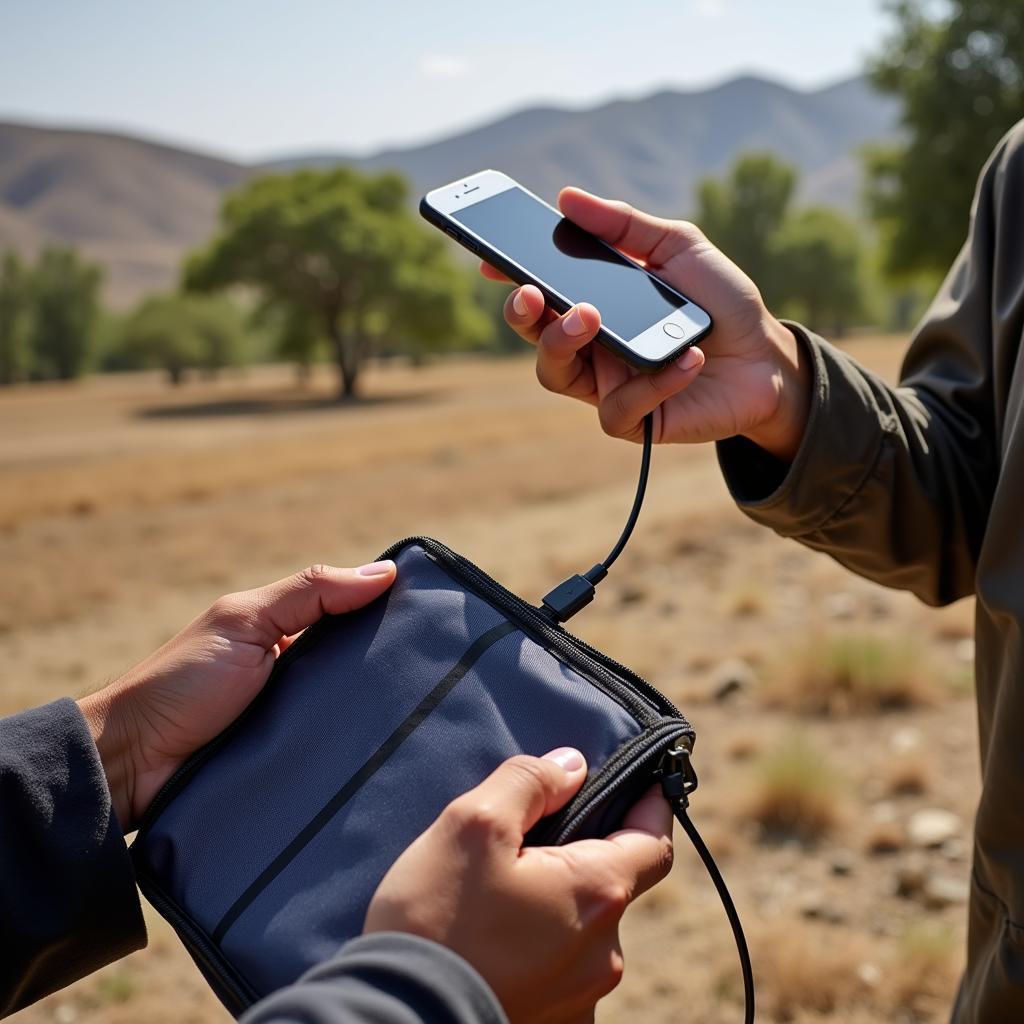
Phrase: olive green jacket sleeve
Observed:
(897, 483)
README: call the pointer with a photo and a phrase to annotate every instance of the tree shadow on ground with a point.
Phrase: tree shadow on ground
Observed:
(280, 404)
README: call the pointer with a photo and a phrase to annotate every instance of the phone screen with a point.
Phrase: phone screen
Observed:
(570, 260)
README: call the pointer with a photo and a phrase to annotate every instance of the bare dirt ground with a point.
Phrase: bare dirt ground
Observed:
(127, 506)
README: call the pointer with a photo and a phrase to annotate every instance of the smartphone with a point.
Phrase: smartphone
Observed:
(643, 320)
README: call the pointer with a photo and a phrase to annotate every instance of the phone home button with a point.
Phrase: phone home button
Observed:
(676, 331)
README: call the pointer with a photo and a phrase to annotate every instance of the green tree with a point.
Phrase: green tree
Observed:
(743, 212)
(960, 77)
(15, 320)
(65, 293)
(178, 333)
(342, 251)
(819, 255)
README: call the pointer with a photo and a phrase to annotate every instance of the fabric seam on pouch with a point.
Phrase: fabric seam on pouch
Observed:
(369, 768)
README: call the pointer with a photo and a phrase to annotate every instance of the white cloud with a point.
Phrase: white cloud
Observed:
(709, 8)
(443, 65)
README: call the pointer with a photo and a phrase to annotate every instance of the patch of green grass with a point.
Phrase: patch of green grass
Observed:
(852, 673)
(116, 986)
(797, 794)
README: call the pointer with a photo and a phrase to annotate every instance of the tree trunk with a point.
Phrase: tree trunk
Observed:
(347, 358)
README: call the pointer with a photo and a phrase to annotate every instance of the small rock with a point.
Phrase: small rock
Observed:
(842, 864)
(869, 974)
(941, 891)
(954, 849)
(930, 828)
(963, 651)
(815, 907)
(839, 606)
(732, 677)
(906, 739)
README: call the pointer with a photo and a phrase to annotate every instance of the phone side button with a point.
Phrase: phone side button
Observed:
(452, 233)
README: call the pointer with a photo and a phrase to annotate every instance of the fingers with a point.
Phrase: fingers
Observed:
(645, 842)
(517, 794)
(563, 363)
(492, 273)
(651, 239)
(288, 606)
(623, 404)
(525, 312)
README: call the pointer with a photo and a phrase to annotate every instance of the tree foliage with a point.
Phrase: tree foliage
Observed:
(65, 298)
(819, 254)
(959, 75)
(806, 261)
(339, 251)
(743, 212)
(15, 320)
(178, 333)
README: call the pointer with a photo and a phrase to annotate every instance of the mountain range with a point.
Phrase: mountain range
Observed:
(137, 206)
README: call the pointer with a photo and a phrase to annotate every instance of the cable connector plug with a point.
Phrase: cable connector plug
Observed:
(573, 594)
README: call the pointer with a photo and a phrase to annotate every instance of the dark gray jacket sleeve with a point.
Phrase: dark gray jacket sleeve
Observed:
(67, 889)
(385, 978)
(68, 902)
(898, 483)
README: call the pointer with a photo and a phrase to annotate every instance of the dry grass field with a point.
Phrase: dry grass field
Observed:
(828, 710)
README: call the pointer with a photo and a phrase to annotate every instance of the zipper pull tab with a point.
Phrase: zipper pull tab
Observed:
(678, 779)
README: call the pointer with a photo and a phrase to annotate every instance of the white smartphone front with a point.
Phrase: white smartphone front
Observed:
(642, 319)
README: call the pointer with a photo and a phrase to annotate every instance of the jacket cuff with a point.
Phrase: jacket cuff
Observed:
(67, 885)
(838, 453)
(387, 977)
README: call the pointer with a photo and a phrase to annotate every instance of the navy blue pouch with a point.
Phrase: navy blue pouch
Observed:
(265, 848)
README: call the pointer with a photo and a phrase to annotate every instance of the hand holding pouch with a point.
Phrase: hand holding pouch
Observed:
(265, 848)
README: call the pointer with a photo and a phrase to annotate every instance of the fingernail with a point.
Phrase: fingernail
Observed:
(568, 758)
(376, 568)
(573, 324)
(519, 303)
(689, 359)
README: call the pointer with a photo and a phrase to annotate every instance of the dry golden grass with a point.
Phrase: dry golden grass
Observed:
(922, 971)
(126, 507)
(907, 775)
(796, 793)
(852, 673)
(807, 967)
(885, 838)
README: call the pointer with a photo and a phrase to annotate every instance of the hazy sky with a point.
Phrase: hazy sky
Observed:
(252, 78)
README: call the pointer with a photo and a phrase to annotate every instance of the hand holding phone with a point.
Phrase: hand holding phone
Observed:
(757, 379)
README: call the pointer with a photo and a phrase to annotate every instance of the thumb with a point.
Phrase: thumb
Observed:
(519, 792)
(288, 606)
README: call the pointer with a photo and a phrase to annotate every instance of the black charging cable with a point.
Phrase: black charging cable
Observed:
(678, 779)
(578, 590)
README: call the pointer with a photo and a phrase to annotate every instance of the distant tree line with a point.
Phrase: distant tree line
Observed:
(808, 261)
(49, 312)
(334, 263)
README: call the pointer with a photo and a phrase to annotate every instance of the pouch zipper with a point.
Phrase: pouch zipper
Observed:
(626, 762)
(560, 638)
(200, 945)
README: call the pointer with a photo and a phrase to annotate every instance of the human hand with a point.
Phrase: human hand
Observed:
(540, 924)
(755, 382)
(148, 721)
